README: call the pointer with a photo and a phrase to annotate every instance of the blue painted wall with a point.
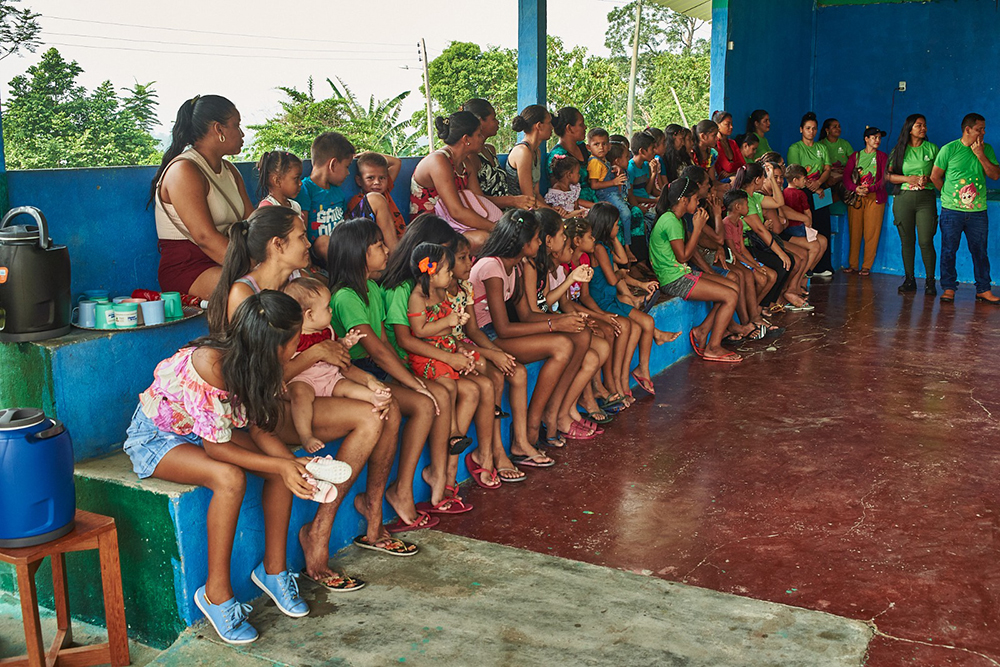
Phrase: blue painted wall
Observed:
(943, 50)
(769, 66)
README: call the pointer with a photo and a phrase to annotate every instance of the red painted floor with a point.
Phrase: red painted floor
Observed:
(851, 469)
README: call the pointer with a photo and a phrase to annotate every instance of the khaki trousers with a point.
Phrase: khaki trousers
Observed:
(865, 223)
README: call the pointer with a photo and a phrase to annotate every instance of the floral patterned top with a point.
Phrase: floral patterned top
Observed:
(181, 402)
(459, 302)
(563, 198)
(492, 179)
(435, 312)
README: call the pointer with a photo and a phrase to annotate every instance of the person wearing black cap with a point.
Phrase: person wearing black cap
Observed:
(960, 172)
(864, 175)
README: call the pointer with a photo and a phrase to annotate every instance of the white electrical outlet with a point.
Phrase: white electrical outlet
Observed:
(902, 87)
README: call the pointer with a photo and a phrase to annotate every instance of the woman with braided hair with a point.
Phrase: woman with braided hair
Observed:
(561, 341)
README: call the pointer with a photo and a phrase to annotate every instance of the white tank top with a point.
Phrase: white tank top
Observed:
(220, 186)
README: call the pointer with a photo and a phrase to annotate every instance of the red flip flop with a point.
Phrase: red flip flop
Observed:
(446, 506)
(424, 520)
(476, 470)
(729, 358)
(646, 384)
(697, 350)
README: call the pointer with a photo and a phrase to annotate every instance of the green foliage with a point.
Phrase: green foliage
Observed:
(18, 29)
(50, 120)
(372, 127)
(689, 76)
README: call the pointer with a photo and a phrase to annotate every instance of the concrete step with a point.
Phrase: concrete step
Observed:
(90, 380)
(161, 525)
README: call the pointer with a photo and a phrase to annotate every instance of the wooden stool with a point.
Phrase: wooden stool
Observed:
(92, 531)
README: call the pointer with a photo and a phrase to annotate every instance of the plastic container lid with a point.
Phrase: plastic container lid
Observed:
(15, 418)
(19, 234)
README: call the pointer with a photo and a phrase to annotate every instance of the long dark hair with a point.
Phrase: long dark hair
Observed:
(682, 187)
(425, 228)
(826, 126)
(747, 174)
(602, 217)
(510, 234)
(676, 158)
(530, 116)
(480, 108)
(248, 241)
(251, 366)
(193, 121)
(703, 127)
(549, 224)
(274, 163)
(756, 116)
(899, 151)
(347, 258)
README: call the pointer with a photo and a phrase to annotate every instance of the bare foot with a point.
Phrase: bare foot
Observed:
(312, 444)
(405, 508)
(662, 337)
(317, 555)
(374, 532)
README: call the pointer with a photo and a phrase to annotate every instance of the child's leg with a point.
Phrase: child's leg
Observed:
(190, 464)
(489, 452)
(568, 412)
(710, 332)
(581, 345)
(557, 351)
(351, 389)
(624, 346)
(302, 396)
(419, 410)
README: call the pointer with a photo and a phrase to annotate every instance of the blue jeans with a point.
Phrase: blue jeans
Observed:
(614, 196)
(976, 225)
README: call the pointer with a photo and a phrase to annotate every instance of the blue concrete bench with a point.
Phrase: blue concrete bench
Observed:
(162, 525)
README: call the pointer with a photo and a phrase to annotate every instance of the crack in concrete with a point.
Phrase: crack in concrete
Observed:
(878, 633)
(864, 508)
(976, 400)
(704, 560)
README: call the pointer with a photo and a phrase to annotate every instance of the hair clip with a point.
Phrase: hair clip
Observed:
(560, 156)
(194, 100)
(427, 266)
(447, 121)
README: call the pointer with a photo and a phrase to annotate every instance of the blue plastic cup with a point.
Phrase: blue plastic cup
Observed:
(152, 312)
(87, 311)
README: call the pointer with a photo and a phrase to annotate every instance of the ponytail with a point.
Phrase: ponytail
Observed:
(193, 120)
(747, 174)
(248, 242)
(679, 189)
(529, 117)
(755, 117)
(460, 124)
(274, 163)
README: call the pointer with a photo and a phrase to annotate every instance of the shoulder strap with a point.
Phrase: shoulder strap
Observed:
(239, 214)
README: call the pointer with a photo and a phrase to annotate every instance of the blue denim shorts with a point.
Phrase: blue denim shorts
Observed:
(146, 444)
(368, 365)
(490, 332)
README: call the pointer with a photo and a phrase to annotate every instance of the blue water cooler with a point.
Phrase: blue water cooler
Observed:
(37, 495)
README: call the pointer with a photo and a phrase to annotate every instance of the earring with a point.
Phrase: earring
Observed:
(222, 138)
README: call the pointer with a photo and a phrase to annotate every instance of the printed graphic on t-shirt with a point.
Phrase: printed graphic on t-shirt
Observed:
(327, 219)
(967, 194)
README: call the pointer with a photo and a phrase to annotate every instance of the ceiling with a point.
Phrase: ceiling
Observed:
(700, 9)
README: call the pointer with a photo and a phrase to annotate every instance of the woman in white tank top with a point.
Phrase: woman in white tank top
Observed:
(198, 195)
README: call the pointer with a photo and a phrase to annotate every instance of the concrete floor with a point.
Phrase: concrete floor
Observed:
(850, 468)
(467, 603)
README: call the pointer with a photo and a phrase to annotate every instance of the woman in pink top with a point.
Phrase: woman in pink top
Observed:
(496, 282)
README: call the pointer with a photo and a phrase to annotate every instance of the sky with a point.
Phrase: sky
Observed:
(244, 50)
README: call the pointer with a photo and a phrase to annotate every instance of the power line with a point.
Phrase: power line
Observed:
(213, 46)
(225, 34)
(227, 55)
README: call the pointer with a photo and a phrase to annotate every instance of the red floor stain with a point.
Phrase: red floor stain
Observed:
(852, 470)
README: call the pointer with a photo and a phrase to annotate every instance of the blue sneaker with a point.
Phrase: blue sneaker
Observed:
(229, 618)
(283, 589)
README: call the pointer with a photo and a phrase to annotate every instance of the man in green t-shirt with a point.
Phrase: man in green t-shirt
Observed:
(960, 172)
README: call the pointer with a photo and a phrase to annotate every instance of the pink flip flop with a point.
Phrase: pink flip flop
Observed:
(578, 432)
(646, 384)
(694, 344)
(729, 358)
(447, 506)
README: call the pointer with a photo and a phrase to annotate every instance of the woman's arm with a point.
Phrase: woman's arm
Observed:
(387, 359)
(185, 187)
(442, 176)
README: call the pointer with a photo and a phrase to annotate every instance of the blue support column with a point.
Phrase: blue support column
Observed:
(720, 52)
(532, 52)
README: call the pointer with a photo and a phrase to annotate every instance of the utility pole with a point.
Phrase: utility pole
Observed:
(635, 64)
(427, 96)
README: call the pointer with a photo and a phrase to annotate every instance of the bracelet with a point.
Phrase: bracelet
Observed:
(550, 324)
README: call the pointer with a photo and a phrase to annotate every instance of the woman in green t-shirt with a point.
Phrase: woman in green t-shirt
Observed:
(812, 155)
(759, 124)
(669, 253)
(914, 208)
(837, 149)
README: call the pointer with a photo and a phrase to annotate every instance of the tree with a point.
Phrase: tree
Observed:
(51, 121)
(690, 76)
(662, 29)
(18, 29)
(375, 126)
